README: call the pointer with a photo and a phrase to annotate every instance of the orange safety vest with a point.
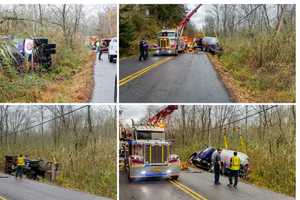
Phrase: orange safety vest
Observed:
(235, 163)
(20, 161)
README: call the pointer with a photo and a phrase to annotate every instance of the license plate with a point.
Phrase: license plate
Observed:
(156, 169)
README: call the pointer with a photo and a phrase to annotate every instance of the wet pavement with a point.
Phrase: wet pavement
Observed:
(187, 78)
(12, 189)
(199, 182)
(104, 81)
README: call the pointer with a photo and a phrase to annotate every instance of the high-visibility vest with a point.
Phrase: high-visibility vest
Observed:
(20, 161)
(235, 163)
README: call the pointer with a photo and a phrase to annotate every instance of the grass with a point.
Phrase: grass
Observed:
(264, 66)
(91, 168)
(54, 85)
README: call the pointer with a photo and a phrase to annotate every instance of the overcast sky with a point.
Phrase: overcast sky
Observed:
(135, 112)
(198, 17)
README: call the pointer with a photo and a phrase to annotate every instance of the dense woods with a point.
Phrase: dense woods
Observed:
(267, 134)
(69, 27)
(82, 139)
(259, 44)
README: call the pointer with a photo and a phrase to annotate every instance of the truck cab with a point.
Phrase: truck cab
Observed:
(149, 154)
(169, 43)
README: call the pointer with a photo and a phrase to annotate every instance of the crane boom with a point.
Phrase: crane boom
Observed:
(185, 20)
(162, 114)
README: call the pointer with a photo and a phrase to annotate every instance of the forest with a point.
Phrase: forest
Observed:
(259, 57)
(69, 27)
(82, 139)
(266, 133)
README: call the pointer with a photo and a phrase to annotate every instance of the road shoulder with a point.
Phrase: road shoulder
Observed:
(237, 93)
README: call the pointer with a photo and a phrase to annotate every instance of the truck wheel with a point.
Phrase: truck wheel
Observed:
(174, 177)
(130, 179)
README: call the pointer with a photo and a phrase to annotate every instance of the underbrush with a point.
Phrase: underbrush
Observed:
(263, 64)
(90, 168)
(27, 87)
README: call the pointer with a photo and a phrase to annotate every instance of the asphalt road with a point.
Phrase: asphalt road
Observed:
(188, 78)
(12, 189)
(104, 80)
(192, 184)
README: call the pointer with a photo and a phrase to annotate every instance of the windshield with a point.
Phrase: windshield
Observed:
(149, 135)
(167, 34)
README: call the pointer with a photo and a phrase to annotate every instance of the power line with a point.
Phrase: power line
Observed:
(57, 117)
(246, 117)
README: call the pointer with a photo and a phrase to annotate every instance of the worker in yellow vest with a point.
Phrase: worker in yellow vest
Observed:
(20, 166)
(235, 165)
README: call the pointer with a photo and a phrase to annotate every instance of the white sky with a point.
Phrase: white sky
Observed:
(134, 112)
(198, 18)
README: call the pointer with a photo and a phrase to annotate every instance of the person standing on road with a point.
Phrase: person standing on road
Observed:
(235, 165)
(20, 166)
(146, 53)
(97, 44)
(100, 51)
(216, 158)
(142, 50)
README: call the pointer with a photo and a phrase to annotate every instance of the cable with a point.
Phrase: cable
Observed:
(57, 117)
(248, 116)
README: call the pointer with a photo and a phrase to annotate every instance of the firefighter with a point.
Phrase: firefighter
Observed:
(235, 164)
(20, 166)
(142, 50)
(217, 165)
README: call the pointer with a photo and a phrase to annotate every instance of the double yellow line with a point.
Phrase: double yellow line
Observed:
(187, 190)
(143, 71)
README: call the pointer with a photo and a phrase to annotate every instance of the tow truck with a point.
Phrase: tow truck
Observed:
(147, 153)
(170, 41)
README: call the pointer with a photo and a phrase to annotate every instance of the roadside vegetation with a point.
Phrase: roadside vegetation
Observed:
(267, 134)
(69, 27)
(83, 143)
(259, 43)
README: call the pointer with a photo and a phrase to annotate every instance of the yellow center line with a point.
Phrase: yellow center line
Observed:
(143, 71)
(188, 190)
(2, 198)
(185, 191)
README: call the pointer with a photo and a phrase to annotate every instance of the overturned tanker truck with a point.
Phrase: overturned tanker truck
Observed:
(148, 153)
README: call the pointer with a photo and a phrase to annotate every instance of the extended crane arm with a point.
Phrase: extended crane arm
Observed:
(162, 114)
(185, 20)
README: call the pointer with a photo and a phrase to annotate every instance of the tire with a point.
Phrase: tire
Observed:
(130, 179)
(174, 177)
